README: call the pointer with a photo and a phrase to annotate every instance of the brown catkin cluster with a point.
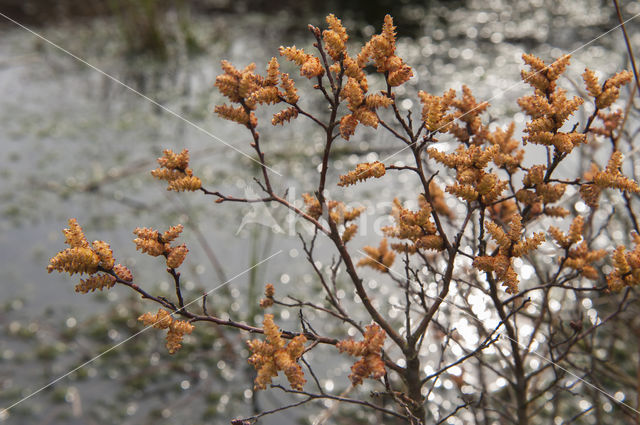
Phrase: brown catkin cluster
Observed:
(362, 106)
(415, 228)
(472, 183)
(549, 107)
(269, 293)
(312, 205)
(435, 108)
(248, 89)
(123, 272)
(363, 172)
(536, 193)
(579, 257)
(370, 364)
(626, 266)
(270, 356)
(343, 216)
(611, 177)
(176, 328)
(151, 242)
(338, 212)
(510, 245)
(380, 258)
(438, 201)
(98, 282)
(174, 168)
(604, 95)
(82, 257)
(510, 155)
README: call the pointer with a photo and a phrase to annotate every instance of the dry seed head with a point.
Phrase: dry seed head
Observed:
(269, 290)
(151, 247)
(273, 72)
(334, 44)
(269, 95)
(146, 233)
(188, 183)
(400, 76)
(463, 191)
(294, 54)
(348, 125)
(371, 364)
(312, 68)
(176, 256)
(167, 174)
(75, 260)
(363, 172)
(557, 212)
(236, 114)
(272, 355)
(290, 91)
(285, 115)
(366, 117)
(592, 83)
(177, 330)
(353, 93)
(173, 161)
(524, 247)
(105, 253)
(98, 282)
(349, 232)
(575, 231)
(161, 320)
(74, 236)
(123, 272)
(173, 232)
(380, 258)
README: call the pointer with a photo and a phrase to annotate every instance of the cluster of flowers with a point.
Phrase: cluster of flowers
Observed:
(472, 182)
(94, 259)
(549, 107)
(510, 245)
(338, 213)
(475, 183)
(381, 50)
(269, 293)
(369, 350)
(610, 177)
(416, 227)
(380, 258)
(604, 95)
(273, 355)
(176, 328)
(626, 266)
(538, 194)
(174, 168)
(549, 110)
(151, 242)
(363, 172)
(580, 257)
(247, 89)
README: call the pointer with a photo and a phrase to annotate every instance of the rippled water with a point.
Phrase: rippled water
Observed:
(76, 144)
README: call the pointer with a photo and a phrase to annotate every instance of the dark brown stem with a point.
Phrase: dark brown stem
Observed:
(518, 365)
(626, 40)
(343, 400)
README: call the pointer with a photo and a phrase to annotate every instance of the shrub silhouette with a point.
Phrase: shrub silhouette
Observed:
(482, 219)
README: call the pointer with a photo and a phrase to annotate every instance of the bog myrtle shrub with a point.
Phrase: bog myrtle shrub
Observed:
(478, 267)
